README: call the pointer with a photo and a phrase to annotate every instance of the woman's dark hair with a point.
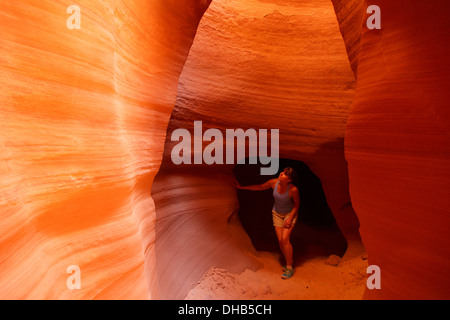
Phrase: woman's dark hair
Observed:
(292, 175)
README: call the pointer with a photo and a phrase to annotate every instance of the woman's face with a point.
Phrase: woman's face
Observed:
(284, 177)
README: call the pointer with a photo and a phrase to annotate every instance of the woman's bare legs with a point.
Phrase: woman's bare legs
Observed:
(284, 240)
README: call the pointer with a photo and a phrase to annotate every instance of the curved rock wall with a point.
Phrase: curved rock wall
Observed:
(256, 64)
(197, 227)
(351, 15)
(274, 65)
(84, 117)
(397, 147)
(84, 114)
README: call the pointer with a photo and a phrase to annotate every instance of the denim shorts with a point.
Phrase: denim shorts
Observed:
(279, 218)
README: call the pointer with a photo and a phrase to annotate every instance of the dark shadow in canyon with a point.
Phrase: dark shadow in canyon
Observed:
(316, 232)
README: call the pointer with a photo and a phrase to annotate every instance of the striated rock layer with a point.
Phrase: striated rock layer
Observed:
(351, 15)
(84, 114)
(398, 149)
(197, 226)
(257, 65)
(262, 65)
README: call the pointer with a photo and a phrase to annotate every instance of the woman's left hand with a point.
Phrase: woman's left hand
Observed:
(287, 223)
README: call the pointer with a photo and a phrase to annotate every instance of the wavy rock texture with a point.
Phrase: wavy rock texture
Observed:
(271, 65)
(351, 15)
(397, 147)
(244, 68)
(84, 114)
(197, 226)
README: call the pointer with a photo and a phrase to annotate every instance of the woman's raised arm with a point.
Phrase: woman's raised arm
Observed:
(256, 187)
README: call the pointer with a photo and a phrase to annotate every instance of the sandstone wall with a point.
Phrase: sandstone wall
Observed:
(397, 147)
(84, 115)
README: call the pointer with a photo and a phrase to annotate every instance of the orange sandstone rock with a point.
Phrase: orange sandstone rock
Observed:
(397, 147)
(84, 114)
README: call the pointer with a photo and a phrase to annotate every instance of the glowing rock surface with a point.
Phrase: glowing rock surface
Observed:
(85, 114)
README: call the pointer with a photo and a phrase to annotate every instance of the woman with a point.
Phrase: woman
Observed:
(284, 211)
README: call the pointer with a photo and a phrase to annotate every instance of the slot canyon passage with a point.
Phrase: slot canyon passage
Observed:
(87, 117)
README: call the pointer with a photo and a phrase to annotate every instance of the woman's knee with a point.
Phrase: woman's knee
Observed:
(285, 241)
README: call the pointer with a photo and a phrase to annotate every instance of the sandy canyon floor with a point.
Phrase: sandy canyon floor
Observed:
(313, 280)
